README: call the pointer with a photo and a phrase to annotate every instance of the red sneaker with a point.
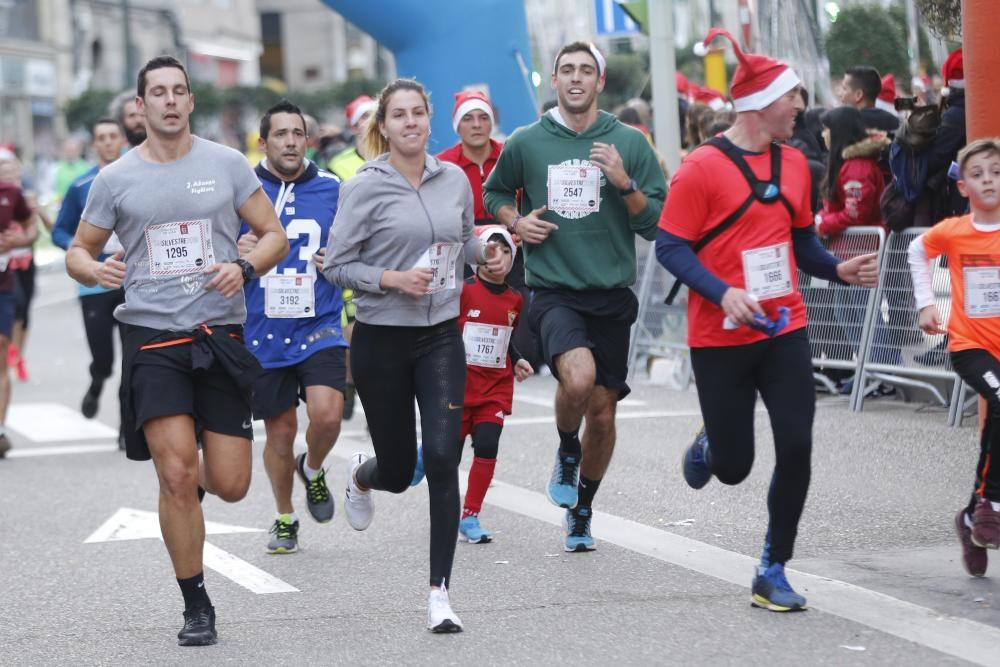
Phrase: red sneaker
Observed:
(973, 557)
(985, 525)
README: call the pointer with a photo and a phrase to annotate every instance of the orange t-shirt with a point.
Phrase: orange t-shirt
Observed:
(974, 266)
(706, 189)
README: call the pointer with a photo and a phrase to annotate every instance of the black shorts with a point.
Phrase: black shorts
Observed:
(8, 313)
(278, 389)
(163, 384)
(599, 319)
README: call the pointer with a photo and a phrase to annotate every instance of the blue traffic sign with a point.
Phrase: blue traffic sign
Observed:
(610, 19)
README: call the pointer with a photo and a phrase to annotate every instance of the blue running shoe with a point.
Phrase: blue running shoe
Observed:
(561, 488)
(698, 461)
(577, 525)
(772, 591)
(470, 531)
(418, 469)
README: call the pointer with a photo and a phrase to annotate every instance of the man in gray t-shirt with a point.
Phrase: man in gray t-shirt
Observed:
(175, 202)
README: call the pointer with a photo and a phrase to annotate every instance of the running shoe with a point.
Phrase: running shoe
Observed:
(577, 525)
(22, 369)
(418, 468)
(318, 498)
(286, 536)
(771, 590)
(350, 395)
(986, 525)
(90, 403)
(199, 627)
(470, 531)
(561, 489)
(358, 505)
(698, 461)
(974, 557)
(440, 617)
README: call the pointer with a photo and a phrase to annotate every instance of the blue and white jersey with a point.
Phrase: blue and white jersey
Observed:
(285, 324)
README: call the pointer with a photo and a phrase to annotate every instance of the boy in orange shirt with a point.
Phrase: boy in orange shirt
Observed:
(972, 245)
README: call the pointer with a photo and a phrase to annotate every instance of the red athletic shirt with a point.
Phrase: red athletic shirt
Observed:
(483, 316)
(706, 189)
(13, 208)
(476, 174)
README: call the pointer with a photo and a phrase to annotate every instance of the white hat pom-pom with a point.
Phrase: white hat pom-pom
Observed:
(700, 49)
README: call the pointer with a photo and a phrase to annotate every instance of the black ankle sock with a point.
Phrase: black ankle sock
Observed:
(194, 592)
(569, 443)
(586, 491)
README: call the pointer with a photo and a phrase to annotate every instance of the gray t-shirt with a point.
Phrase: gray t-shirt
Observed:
(174, 220)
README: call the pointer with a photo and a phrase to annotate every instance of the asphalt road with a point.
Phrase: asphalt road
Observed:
(669, 583)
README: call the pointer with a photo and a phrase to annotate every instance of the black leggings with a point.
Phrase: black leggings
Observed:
(99, 322)
(728, 379)
(392, 366)
(981, 371)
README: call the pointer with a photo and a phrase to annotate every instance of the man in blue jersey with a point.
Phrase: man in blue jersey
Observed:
(293, 325)
(98, 304)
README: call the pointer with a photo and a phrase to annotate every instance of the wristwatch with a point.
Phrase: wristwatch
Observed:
(630, 188)
(249, 273)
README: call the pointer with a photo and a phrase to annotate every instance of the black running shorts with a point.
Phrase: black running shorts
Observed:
(163, 384)
(599, 320)
(278, 389)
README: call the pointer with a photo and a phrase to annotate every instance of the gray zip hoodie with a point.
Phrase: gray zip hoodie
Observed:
(384, 224)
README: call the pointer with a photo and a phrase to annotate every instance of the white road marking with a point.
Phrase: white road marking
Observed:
(960, 637)
(546, 402)
(131, 524)
(55, 422)
(59, 450)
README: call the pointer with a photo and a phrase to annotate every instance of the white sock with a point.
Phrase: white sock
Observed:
(996, 505)
(967, 519)
(310, 473)
(287, 518)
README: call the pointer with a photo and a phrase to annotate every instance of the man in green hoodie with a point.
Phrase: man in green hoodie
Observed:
(589, 185)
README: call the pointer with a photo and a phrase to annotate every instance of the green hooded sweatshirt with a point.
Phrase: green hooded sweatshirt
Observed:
(597, 250)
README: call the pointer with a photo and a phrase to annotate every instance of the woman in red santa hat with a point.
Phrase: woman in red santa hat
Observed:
(746, 197)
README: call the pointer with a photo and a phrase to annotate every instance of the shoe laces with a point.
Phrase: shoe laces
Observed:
(316, 488)
(565, 471)
(579, 523)
(284, 530)
(196, 618)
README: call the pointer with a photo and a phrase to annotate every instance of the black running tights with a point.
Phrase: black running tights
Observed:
(728, 379)
(981, 371)
(392, 366)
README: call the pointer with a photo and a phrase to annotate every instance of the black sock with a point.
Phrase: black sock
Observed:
(194, 592)
(569, 443)
(586, 491)
(96, 385)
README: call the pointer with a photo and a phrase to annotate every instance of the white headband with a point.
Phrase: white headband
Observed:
(601, 63)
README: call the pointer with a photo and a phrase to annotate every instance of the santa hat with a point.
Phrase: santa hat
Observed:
(887, 96)
(357, 108)
(758, 81)
(683, 85)
(467, 101)
(953, 71)
(487, 232)
(711, 97)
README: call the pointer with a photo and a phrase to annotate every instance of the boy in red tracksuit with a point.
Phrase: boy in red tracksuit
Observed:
(489, 312)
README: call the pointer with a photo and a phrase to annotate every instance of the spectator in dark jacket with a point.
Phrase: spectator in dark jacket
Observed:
(860, 88)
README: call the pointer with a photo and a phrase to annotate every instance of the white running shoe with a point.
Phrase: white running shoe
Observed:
(440, 617)
(358, 505)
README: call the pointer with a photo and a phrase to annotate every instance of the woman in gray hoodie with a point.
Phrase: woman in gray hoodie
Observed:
(402, 230)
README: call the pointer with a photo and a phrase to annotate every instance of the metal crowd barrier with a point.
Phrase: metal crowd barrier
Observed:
(916, 360)
(659, 330)
(871, 334)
